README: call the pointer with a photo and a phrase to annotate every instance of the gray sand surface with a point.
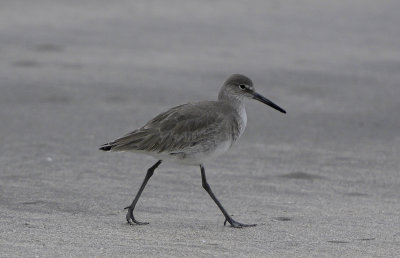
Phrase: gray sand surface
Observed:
(321, 181)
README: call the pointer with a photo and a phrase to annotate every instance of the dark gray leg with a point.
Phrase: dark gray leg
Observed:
(228, 218)
(129, 216)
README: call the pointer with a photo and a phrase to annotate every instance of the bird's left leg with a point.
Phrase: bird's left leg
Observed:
(228, 218)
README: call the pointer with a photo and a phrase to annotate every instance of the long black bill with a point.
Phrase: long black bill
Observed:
(267, 102)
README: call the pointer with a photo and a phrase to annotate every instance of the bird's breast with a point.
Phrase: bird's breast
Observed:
(243, 120)
(239, 124)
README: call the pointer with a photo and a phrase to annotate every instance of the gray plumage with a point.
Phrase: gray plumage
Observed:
(186, 130)
(183, 127)
(192, 133)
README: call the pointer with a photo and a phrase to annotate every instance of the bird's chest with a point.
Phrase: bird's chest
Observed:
(243, 121)
(239, 124)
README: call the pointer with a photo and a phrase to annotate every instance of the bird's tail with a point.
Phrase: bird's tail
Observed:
(106, 147)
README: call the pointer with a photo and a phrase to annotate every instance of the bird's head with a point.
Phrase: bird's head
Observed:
(238, 87)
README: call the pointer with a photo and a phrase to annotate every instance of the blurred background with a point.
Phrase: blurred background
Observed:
(323, 179)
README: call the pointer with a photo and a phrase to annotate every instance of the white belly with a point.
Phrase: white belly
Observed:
(193, 156)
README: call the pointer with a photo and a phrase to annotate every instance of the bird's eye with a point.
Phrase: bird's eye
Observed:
(242, 86)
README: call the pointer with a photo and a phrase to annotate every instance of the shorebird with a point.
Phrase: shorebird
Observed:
(193, 133)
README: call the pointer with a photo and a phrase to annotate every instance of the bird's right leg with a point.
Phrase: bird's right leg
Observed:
(129, 216)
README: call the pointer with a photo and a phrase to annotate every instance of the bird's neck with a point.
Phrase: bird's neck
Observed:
(234, 100)
(237, 104)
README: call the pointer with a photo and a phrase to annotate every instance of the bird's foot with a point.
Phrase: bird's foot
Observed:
(236, 224)
(131, 219)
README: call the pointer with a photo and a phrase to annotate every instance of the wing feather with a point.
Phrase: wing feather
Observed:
(179, 128)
